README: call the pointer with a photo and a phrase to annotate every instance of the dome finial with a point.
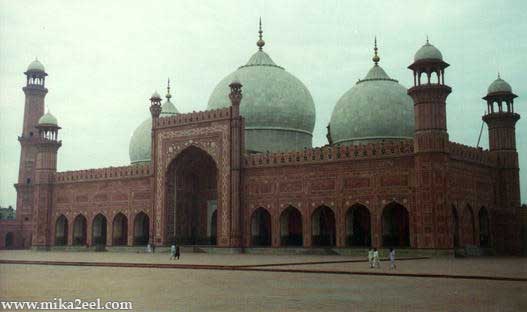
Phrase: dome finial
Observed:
(260, 43)
(375, 57)
(427, 42)
(168, 96)
(499, 77)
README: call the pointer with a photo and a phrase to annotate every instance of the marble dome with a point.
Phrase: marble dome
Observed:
(140, 143)
(376, 108)
(36, 66)
(499, 85)
(428, 52)
(48, 119)
(278, 109)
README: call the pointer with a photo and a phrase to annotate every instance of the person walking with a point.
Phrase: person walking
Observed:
(173, 252)
(177, 252)
(376, 261)
(392, 259)
(370, 257)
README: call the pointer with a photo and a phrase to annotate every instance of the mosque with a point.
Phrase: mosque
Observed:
(243, 175)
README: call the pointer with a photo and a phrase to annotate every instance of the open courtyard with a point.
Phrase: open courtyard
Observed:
(243, 282)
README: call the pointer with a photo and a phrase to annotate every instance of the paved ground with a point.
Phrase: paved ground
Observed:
(155, 289)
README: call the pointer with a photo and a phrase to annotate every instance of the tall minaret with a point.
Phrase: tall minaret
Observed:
(501, 120)
(47, 145)
(431, 213)
(35, 92)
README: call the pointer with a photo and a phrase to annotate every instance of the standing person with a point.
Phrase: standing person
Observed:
(173, 251)
(177, 252)
(370, 257)
(153, 248)
(392, 259)
(148, 248)
(376, 261)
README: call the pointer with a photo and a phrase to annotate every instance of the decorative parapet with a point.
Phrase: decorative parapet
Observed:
(134, 171)
(332, 153)
(190, 118)
(468, 153)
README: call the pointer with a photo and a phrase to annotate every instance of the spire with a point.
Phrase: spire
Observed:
(499, 75)
(375, 57)
(260, 43)
(168, 96)
(427, 42)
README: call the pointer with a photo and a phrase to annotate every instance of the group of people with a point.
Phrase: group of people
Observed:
(375, 262)
(174, 250)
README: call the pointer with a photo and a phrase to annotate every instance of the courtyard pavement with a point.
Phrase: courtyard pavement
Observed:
(187, 289)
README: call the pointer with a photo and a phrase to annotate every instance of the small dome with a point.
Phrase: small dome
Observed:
(428, 52)
(140, 143)
(48, 119)
(155, 95)
(36, 66)
(499, 85)
(376, 108)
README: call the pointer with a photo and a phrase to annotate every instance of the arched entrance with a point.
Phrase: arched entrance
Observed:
(191, 188)
(395, 226)
(291, 227)
(9, 241)
(79, 230)
(455, 220)
(120, 230)
(261, 228)
(484, 228)
(99, 230)
(323, 227)
(358, 226)
(469, 237)
(61, 231)
(141, 229)
(214, 227)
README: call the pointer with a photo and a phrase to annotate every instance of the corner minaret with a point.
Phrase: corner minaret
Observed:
(430, 146)
(47, 144)
(237, 147)
(35, 92)
(501, 121)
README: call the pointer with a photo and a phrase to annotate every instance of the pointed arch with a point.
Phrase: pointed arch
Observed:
(120, 230)
(61, 231)
(141, 229)
(455, 227)
(79, 230)
(484, 227)
(323, 227)
(291, 227)
(469, 236)
(261, 227)
(99, 230)
(358, 226)
(395, 226)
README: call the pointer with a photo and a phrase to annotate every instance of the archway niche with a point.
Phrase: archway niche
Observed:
(261, 228)
(323, 227)
(192, 193)
(99, 228)
(395, 226)
(469, 236)
(484, 228)
(79, 230)
(291, 227)
(141, 229)
(120, 230)
(61, 231)
(455, 221)
(358, 226)
(9, 240)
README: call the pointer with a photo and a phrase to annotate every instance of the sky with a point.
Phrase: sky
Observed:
(105, 58)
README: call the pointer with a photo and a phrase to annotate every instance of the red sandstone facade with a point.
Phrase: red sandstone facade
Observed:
(201, 188)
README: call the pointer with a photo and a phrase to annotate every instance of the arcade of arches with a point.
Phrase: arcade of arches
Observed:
(198, 224)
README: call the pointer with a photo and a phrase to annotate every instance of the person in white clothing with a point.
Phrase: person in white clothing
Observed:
(392, 259)
(370, 257)
(376, 261)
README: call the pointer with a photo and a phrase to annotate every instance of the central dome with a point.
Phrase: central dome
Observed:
(377, 108)
(278, 109)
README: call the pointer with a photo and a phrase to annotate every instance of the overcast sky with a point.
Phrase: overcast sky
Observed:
(105, 58)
